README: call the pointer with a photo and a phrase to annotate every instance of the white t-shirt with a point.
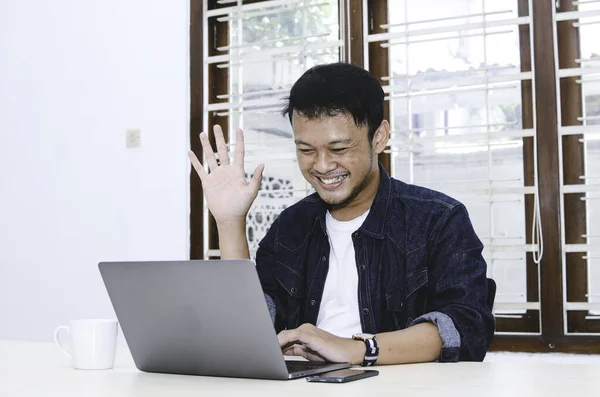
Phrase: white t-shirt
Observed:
(338, 313)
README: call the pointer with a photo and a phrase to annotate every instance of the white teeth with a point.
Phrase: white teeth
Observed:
(333, 180)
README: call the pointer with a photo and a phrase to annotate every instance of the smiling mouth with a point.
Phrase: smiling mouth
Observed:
(332, 181)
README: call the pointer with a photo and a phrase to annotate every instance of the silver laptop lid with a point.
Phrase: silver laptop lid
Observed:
(196, 317)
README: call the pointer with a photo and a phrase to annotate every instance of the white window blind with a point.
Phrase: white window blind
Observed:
(270, 45)
(587, 73)
(454, 90)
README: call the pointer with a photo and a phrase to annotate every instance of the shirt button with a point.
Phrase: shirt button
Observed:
(356, 235)
(362, 267)
(365, 311)
(323, 259)
(313, 302)
(294, 290)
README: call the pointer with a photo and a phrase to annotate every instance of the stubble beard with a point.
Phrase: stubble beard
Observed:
(355, 191)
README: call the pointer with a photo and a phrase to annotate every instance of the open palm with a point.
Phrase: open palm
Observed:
(228, 194)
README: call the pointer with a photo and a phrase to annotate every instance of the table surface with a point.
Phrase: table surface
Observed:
(40, 369)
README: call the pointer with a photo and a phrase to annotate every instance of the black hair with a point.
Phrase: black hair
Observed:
(338, 89)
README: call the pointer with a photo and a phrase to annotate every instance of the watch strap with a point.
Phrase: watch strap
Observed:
(372, 352)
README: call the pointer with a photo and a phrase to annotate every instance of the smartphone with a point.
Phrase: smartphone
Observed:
(343, 376)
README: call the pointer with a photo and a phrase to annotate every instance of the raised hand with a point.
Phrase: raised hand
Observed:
(228, 194)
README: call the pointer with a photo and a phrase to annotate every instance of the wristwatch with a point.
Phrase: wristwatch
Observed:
(372, 352)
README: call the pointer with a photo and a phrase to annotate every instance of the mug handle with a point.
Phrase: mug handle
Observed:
(57, 340)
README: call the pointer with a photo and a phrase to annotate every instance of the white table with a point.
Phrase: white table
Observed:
(40, 369)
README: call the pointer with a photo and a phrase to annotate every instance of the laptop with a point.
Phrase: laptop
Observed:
(200, 317)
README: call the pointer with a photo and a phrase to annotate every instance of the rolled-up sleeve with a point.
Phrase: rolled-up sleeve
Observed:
(458, 286)
(272, 307)
(448, 333)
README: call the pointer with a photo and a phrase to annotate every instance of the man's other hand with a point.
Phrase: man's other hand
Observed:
(314, 344)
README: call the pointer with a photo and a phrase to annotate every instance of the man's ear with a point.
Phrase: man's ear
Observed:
(381, 137)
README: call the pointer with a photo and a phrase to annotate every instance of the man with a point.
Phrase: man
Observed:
(368, 270)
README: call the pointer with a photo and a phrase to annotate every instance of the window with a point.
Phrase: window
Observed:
(454, 87)
(578, 82)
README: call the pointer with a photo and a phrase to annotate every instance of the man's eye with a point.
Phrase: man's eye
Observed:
(305, 151)
(339, 150)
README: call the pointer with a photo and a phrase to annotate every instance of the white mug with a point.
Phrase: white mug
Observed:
(93, 343)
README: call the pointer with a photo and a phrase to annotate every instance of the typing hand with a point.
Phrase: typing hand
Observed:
(228, 194)
(314, 344)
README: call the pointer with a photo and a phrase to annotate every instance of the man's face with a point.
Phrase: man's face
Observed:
(336, 157)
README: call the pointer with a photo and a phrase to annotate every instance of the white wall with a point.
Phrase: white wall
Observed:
(74, 75)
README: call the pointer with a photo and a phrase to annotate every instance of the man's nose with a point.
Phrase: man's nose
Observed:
(324, 163)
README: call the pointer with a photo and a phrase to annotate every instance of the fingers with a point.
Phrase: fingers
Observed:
(303, 351)
(197, 165)
(289, 351)
(296, 350)
(304, 334)
(221, 145)
(257, 177)
(208, 152)
(289, 345)
(288, 337)
(238, 155)
(299, 336)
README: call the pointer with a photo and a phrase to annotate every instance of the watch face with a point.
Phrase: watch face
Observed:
(363, 336)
